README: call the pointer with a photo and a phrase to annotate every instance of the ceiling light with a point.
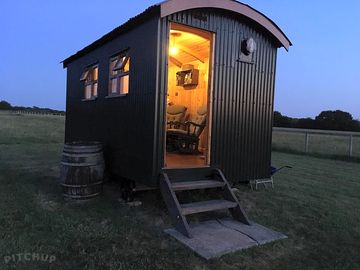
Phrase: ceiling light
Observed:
(174, 50)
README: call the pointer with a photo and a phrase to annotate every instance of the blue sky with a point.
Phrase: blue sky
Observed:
(320, 72)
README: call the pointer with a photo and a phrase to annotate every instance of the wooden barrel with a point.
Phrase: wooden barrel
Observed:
(82, 170)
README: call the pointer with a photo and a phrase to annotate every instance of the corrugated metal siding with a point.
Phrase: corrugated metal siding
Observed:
(124, 124)
(242, 93)
(159, 144)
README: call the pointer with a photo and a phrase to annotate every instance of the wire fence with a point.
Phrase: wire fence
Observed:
(326, 142)
(31, 112)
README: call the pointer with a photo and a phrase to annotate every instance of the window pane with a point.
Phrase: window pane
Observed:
(84, 75)
(127, 66)
(121, 63)
(95, 74)
(95, 88)
(113, 84)
(112, 65)
(88, 91)
(124, 84)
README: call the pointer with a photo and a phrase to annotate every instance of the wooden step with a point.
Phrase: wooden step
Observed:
(201, 184)
(206, 206)
(190, 174)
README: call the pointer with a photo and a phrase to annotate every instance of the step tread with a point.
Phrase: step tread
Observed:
(189, 174)
(206, 206)
(200, 184)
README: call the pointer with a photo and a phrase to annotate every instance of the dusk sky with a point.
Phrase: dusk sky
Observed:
(321, 71)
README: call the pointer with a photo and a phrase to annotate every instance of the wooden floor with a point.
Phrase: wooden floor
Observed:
(175, 160)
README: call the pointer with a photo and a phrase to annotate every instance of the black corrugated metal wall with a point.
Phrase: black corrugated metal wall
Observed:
(243, 93)
(124, 124)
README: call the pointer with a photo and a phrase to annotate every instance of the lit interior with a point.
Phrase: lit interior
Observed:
(119, 71)
(189, 48)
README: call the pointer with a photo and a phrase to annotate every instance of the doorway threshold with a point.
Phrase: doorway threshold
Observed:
(176, 161)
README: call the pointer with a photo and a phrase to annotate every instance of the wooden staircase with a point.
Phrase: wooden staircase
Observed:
(177, 180)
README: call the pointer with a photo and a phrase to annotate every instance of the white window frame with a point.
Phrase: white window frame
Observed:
(117, 73)
(88, 78)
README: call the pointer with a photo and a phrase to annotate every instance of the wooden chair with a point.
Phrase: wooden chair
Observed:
(175, 114)
(184, 137)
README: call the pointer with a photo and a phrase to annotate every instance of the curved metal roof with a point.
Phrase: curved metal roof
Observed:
(173, 6)
(168, 7)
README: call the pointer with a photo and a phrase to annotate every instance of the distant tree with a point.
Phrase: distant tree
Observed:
(328, 120)
(4, 105)
(336, 120)
(307, 123)
(19, 108)
(281, 120)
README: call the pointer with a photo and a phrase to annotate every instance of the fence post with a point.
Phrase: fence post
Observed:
(306, 142)
(350, 145)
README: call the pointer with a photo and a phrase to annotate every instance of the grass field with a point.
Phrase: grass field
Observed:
(327, 145)
(316, 204)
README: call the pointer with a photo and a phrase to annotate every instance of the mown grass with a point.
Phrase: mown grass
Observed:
(326, 145)
(316, 204)
(22, 129)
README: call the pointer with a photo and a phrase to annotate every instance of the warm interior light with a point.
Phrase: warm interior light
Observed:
(174, 50)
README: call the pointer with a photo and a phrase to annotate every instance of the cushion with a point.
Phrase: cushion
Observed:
(176, 109)
(175, 113)
(202, 110)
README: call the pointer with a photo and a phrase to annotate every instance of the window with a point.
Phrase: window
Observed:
(90, 79)
(119, 75)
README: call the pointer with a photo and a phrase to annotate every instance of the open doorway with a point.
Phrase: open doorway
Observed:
(188, 114)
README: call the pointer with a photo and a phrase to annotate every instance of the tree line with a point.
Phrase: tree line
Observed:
(327, 120)
(4, 105)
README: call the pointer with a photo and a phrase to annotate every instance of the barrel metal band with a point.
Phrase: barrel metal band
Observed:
(81, 186)
(80, 164)
(81, 154)
(80, 196)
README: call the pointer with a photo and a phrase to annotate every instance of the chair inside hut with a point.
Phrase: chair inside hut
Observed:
(188, 95)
